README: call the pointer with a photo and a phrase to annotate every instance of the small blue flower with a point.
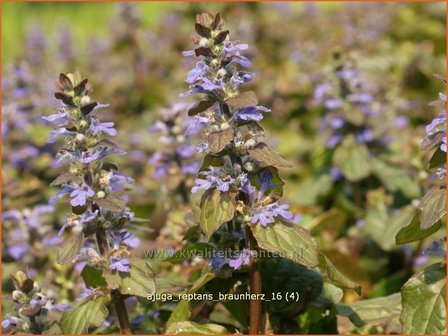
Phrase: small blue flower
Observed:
(334, 140)
(120, 264)
(280, 210)
(262, 216)
(242, 259)
(79, 196)
(96, 127)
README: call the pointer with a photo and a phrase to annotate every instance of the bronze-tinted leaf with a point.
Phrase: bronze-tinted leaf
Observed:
(27, 285)
(86, 109)
(267, 157)
(200, 107)
(221, 37)
(202, 30)
(66, 99)
(203, 51)
(108, 166)
(81, 87)
(68, 250)
(217, 141)
(205, 19)
(111, 203)
(217, 22)
(211, 160)
(79, 209)
(243, 100)
(64, 82)
(65, 178)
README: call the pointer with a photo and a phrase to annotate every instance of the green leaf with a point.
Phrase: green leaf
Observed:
(437, 159)
(244, 99)
(202, 281)
(413, 232)
(267, 157)
(433, 207)
(219, 140)
(394, 224)
(87, 313)
(311, 189)
(335, 276)
(375, 311)
(217, 208)
(138, 281)
(289, 241)
(395, 179)
(182, 312)
(211, 161)
(68, 250)
(424, 302)
(352, 159)
(187, 327)
(93, 277)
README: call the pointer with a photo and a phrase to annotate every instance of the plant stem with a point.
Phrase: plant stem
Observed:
(120, 306)
(256, 325)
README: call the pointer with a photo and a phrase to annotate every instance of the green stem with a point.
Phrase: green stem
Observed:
(120, 306)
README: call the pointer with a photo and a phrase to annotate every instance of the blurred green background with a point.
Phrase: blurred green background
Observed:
(88, 18)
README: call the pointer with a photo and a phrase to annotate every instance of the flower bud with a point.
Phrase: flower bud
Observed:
(80, 137)
(250, 143)
(214, 128)
(222, 72)
(224, 126)
(203, 42)
(85, 100)
(18, 296)
(249, 166)
(100, 194)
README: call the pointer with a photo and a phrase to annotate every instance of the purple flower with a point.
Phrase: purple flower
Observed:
(265, 181)
(59, 118)
(96, 127)
(9, 323)
(79, 196)
(436, 249)
(224, 185)
(280, 210)
(360, 223)
(120, 264)
(217, 262)
(401, 121)
(161, 171)
(333, 103)
(321, 91)
(251, 113)
(197, 73)
(85, 292)
(18, 250)
(191, 168)
(364, 136)
(203, 184)
(360, 98)
(116, 180)
(443, 145)
(337, 123)
(56, 133)
(99, 153)
(242, 259)
(185, 151)
(336, 174)
(66, 189)
(439, 120)
(78, 220)
(334, 140)
(262, 216)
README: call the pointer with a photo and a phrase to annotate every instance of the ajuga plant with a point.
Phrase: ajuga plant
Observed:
(424, 294)
(31, 306)
(176, 160)
(361, 129)
(240, 214)
(95, 228)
